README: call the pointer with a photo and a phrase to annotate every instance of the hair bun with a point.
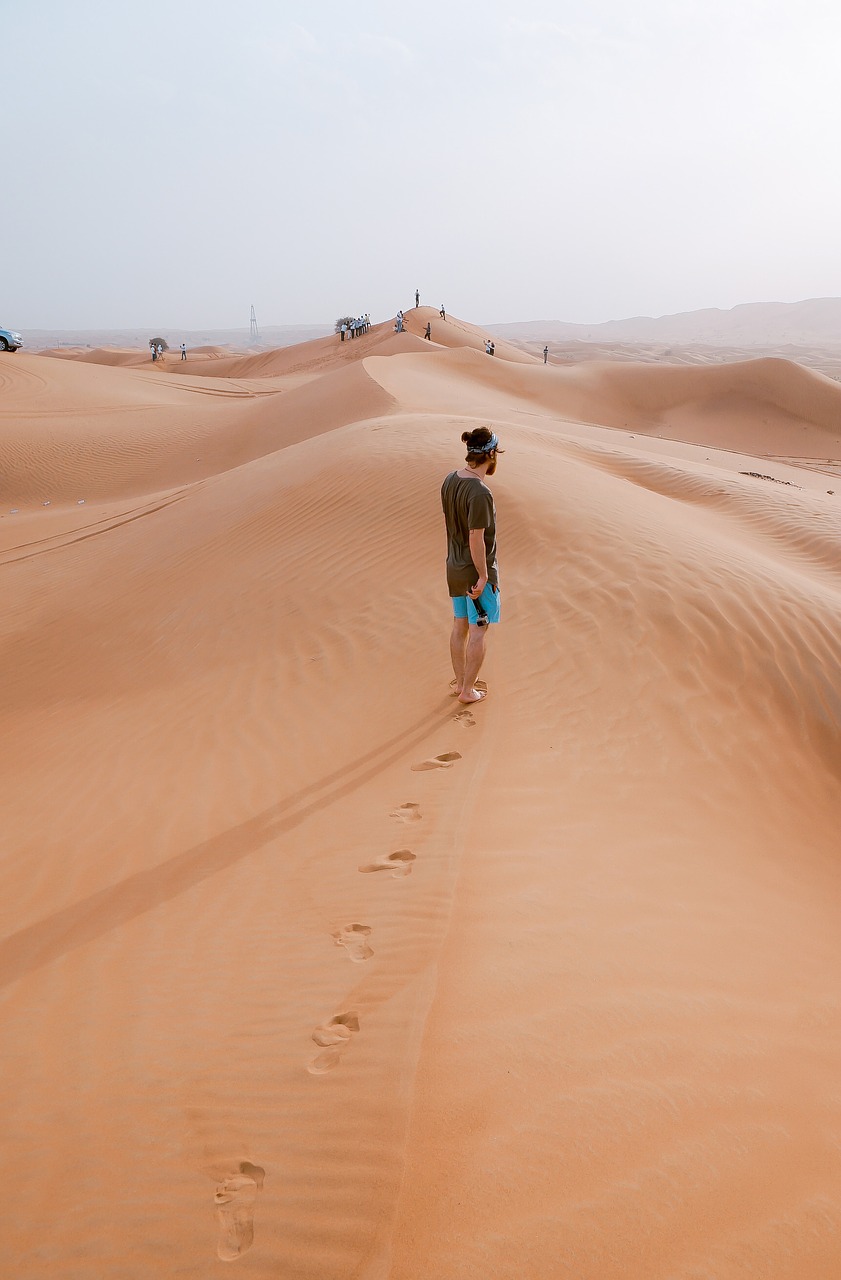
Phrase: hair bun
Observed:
(465, 435)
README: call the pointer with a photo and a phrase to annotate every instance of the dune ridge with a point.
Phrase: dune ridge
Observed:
(309, 971)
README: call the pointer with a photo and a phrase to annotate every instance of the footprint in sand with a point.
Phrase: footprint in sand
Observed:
(234, 1200)
(332, 1037)
(354, 938)
(444, 761)
(408, 812)
(465, 718)
(399, 863)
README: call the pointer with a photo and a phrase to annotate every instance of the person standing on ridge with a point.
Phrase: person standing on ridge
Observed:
(442, 313)
(472, 573)
(545, 354)
(417, 297)
(183, 351)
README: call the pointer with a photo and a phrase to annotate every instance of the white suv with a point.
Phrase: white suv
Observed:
(9, 340)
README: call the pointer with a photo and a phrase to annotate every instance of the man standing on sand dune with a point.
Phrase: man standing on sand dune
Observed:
(472, 574)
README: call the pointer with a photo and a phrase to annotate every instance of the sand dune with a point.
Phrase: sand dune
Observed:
(453, 332)
(777, 404)
(310, 972)
(66, 437)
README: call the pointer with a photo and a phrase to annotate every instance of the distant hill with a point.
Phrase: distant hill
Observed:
(761, 324)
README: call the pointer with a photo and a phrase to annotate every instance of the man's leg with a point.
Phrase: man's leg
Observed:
(458, 648)
(473, 658)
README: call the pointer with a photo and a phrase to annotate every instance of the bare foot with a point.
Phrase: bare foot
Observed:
(455, 692)
(475, 695)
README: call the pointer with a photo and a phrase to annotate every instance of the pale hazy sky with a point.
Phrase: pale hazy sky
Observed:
(582, 160)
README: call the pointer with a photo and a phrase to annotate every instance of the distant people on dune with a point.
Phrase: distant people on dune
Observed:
(353, 326)
(489, 347)
(545, 354)
(183, 351)
(428, 334)
(398, 327)
(442, 313)
(417, 297)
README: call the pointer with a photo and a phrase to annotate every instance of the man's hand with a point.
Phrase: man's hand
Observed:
(477, 555)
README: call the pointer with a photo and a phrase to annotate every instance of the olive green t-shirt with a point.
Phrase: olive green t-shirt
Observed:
(468, 504)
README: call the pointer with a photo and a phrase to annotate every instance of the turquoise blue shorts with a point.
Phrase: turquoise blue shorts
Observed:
(463, 606)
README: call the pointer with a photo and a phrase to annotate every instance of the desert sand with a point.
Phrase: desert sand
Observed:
(311, 973)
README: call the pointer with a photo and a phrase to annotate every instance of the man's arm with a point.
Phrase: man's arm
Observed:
(477, 554)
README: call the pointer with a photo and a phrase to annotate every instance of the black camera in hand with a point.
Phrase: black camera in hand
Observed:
(482, 618)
